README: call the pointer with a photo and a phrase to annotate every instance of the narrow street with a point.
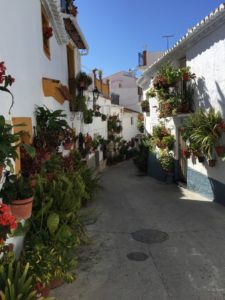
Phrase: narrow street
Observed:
(187, 264)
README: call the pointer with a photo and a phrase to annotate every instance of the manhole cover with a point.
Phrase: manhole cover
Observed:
(137, 256)
(150, 236)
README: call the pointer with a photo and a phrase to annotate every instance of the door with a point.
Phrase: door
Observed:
(182, 159)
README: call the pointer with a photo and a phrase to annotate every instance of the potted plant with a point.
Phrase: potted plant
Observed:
(186, 152)
(50, 128)
(201, 130)
(104, 117)
(47, 32)
(167, 161)
(7, 222)
(220, 150)
(145, 106)
(68, 140)
(83, 81)
(18, 193)
(9, 144)
(151, 93)
(78, 103)
(88, 116)
(16, 238)
(168, 141)
(15, 283)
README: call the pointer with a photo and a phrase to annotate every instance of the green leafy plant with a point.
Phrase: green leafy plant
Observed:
(78, 103)
(10, 142)
(104, 117)
(15, 283)
(202, 131)
(50, 128)
(88, 116)
(167, 161)
(83, 81)
(145, 106)
(16, 188)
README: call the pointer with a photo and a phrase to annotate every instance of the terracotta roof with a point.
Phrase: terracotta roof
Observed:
(193, 34)
(130, 110)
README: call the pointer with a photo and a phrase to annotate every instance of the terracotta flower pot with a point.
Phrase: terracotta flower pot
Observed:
(68, 146)
(56, 283)
(47, 156)
(220, 150)
(22, 209)
(1, 170)
(44, 292)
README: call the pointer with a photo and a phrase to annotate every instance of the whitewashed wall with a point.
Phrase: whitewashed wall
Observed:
(129, 129)
(21, 49)
(124, 84)
(207, 60)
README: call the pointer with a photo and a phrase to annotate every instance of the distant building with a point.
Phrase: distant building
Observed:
(124, 90)
(146, 59)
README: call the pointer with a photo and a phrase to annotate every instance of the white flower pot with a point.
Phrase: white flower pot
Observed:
(17, 242)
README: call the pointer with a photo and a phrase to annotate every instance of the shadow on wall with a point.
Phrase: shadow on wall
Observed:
(221, 100)
(202, 95)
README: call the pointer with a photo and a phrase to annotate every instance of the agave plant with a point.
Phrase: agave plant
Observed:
(16, 284)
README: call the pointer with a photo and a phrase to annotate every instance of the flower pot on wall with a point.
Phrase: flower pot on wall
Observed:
(68, 146)
(212, 162)
(201, 159)
(56, 283)
(42, 291)
(17, 242)
(220, 150)
(22, 209)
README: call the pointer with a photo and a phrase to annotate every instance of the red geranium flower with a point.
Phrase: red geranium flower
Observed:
(7, 221)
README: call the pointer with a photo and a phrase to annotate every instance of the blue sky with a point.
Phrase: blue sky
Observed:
(117, 30)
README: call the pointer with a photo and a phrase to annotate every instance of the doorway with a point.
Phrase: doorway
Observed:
(182, 159)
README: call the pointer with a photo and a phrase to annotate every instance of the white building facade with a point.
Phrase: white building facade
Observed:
(124, 84)
(203, 50)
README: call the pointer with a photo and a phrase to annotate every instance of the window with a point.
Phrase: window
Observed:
(132, 120)
(26, 129)
(120, 85)
(47, 33)
(71, 68)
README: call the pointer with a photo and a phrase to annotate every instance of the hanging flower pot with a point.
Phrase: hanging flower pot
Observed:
(68, 146)
(201, 159)
(22, 209)
(56, 283)
(220, 150)
(212, 162)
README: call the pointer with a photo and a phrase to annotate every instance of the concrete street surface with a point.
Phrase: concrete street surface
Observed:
(188, 265)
